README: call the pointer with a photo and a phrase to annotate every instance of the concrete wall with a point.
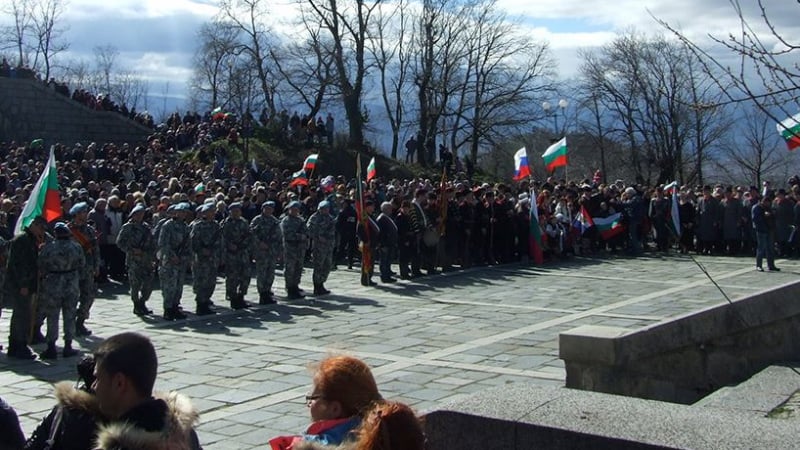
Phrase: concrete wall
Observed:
(527, 416)
(29, 110)
(684, 359)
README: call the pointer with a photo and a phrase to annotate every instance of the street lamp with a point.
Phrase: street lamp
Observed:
(547, 107)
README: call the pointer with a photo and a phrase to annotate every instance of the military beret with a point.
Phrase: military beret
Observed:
(61, 228)
(182, 206)
(204, 208)
(324, 204)
(152, 184)
(293, 204)
(268, 204)
(78, 208)
(138, 208)
(235, 205)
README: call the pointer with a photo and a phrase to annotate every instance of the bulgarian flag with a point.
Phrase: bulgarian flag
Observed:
(45, 199)
(790, 131)
(610, 226)
(311, 162)
(299, 178)
(556, 155)
(521, 168)
(535, 238)
(371, 171)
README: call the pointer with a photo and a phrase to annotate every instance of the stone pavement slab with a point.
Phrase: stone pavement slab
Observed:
(430, 340)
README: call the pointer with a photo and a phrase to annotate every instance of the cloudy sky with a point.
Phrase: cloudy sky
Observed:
(157, 37)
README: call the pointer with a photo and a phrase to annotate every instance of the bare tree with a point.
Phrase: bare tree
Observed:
(765, 70)
(255, 40)
(391, 54)
(105, 58)
(648, 86)
(16, 34)
(217, 52)
(755, 154)
(48, 32)
(347, 24)
(129, 88)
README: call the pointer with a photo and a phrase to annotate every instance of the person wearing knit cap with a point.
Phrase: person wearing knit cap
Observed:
(60, 261)
(86, 236)
(236, 240)
(322, 231)
(265, 229)
(136, 240)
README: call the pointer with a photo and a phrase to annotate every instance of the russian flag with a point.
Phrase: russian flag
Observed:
(521, 168)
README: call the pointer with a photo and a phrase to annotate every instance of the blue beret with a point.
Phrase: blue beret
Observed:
(61, 227)
(268, 204)
(324, 204)
(206, 207)
(138, 208)
(293, 204)
(78, 208)
(235, 205)
(183, 206)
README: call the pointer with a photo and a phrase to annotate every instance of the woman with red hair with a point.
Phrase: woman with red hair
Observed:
(344, 390)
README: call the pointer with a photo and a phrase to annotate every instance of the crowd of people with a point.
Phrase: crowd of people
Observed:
(143, 215)
(114, 407)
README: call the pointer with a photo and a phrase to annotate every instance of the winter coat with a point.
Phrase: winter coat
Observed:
(72, 423)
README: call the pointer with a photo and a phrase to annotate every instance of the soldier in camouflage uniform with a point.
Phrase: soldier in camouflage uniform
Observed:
(86, 236)
(174, 255)
(322, 231)
(60, 263)
(236, 240)
(206, 240)
(295, 243)
(266, 232)
(137, 241)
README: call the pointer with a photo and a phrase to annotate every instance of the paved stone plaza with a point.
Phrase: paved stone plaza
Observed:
(429, 340)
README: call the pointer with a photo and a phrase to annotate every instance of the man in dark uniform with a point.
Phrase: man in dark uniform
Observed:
(21, 286)
(388, 237)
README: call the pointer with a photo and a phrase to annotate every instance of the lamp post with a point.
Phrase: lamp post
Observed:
(550, 110)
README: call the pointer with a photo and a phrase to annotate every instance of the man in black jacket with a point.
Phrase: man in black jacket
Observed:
(21, 285)
(388, 238)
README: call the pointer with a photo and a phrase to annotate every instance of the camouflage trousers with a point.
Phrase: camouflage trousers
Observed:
(88, 289)
(265, 275)
(140, 279)
(323, 261)
(237, 278)
(293, 265)
(171, 284)
(204, 280)
(60, 293)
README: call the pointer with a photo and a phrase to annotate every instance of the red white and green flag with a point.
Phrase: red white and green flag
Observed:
(610, 226)
(371, 171)
(790, 131)
(45, 199)
(299, 178)
(535, 233)
(556, 155)
(310, 163)
(674, 212)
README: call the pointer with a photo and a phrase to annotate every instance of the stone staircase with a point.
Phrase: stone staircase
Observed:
(30, 110)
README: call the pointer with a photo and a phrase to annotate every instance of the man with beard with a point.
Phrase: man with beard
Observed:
(136, 240)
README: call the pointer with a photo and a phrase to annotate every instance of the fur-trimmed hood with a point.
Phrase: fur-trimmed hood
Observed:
(70, 397)
(177, 434)
(308, 445)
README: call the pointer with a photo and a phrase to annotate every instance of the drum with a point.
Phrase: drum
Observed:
(430, 238)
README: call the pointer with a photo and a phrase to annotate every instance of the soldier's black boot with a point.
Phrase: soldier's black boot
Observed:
(68, 351)
(319, 289)
(80, 328)
(20, 350)
(38, 337)
(51, 352)
(204, 309)
(294, 293)
(139, 309)
(265, 298)
(237, 302)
